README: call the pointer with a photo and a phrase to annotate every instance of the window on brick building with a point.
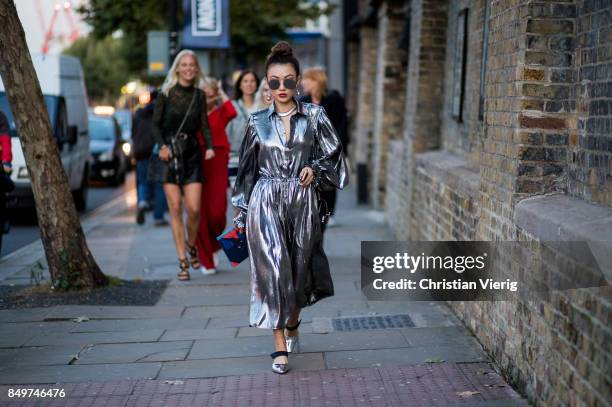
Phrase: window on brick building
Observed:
(483, 62)
(404, 39)
(459, 61)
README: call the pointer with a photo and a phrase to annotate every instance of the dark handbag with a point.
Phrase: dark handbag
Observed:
(324, 212)
(234, 244)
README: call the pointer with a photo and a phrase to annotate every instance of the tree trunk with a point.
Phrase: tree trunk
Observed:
(70, 262)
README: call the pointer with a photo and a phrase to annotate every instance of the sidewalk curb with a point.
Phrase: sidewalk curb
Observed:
(89, 221)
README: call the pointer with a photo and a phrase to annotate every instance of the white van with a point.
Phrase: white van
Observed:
(63, 88)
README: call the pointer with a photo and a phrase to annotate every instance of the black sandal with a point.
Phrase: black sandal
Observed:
(194, 259)
(280, 368)
(183, 274)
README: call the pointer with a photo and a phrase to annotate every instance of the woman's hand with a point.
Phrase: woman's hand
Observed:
(210, 153)
(306, 176)
(236, 213)
(165, 154)
(222, 94)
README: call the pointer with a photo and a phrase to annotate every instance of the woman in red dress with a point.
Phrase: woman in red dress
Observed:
(215, 174)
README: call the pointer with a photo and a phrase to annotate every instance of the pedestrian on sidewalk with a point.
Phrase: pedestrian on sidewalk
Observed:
(180, 111)
(6, 184)
(215, 175)
(244, 103)
(314, 83)
(142, 144)
(289, 151)
(263, 98)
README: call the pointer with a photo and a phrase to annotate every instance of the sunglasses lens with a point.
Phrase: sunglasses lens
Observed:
(290, 83)
(274, 84)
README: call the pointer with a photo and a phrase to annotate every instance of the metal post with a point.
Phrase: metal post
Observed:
(172, 30)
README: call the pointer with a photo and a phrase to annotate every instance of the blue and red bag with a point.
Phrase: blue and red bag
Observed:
(234, 244)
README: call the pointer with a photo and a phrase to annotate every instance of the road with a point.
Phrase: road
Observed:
(25, 231)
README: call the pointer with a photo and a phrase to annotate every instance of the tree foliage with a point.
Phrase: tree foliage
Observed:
(104, 66)
(254, 24)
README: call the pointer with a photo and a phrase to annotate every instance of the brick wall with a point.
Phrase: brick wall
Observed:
(546, 129)
(423, 106)
(590, 155)
(389, 94)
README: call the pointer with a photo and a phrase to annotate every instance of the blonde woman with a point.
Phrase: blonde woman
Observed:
(180, 112)
(314, 84)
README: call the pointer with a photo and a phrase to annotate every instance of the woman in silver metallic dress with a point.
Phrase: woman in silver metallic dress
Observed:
(290, 151)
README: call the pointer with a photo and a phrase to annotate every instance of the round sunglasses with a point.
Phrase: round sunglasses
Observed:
(289, 83)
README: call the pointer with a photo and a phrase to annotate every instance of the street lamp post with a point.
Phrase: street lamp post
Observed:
(172, 30)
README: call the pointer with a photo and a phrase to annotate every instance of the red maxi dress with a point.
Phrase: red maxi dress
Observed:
(214, 186)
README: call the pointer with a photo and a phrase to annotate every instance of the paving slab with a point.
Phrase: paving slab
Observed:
(39, 355)
(381, 357)
(217, 311)
(234, 294)
(118, 325)
(236, 366)
(305, 328)
(149, 335)
(134, 352)
(228, 322)
(189, 334)
(15, 340)
(41, 326)
(78, 373)
(438, 335)
(337, 341)
(228, 348)
(113, 312)
(23, 315)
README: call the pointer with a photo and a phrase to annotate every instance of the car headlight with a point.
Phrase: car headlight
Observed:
(23, 172)
(127, 148)
(106, 156)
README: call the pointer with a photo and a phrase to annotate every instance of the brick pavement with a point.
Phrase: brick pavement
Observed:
(432, 384)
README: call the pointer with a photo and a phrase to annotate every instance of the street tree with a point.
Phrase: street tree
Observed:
(71, 264)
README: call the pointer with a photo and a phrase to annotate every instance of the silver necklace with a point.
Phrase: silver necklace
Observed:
(287, 113)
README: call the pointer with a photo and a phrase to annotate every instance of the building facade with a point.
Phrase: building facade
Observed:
(491, 120)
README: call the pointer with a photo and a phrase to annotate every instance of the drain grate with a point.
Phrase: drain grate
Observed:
(372, 322)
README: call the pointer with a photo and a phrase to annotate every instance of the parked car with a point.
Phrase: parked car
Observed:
(63, 88)
(109, 152)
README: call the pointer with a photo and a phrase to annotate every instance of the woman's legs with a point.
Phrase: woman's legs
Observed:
(295, 317)
(173, 197)
(280, 344)
(193, 199)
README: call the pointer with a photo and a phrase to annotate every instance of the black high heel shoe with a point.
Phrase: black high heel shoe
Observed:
(293, 342)
(194, 258)
(280, 368)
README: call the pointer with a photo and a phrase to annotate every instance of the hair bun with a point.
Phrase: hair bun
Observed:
(282, 48)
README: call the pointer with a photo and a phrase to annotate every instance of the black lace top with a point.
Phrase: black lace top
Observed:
(170, 110)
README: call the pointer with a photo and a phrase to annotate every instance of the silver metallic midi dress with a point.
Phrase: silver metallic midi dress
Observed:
(288, 266)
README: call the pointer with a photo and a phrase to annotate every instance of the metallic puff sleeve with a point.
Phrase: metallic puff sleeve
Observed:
(328, 161)
(248, 172)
